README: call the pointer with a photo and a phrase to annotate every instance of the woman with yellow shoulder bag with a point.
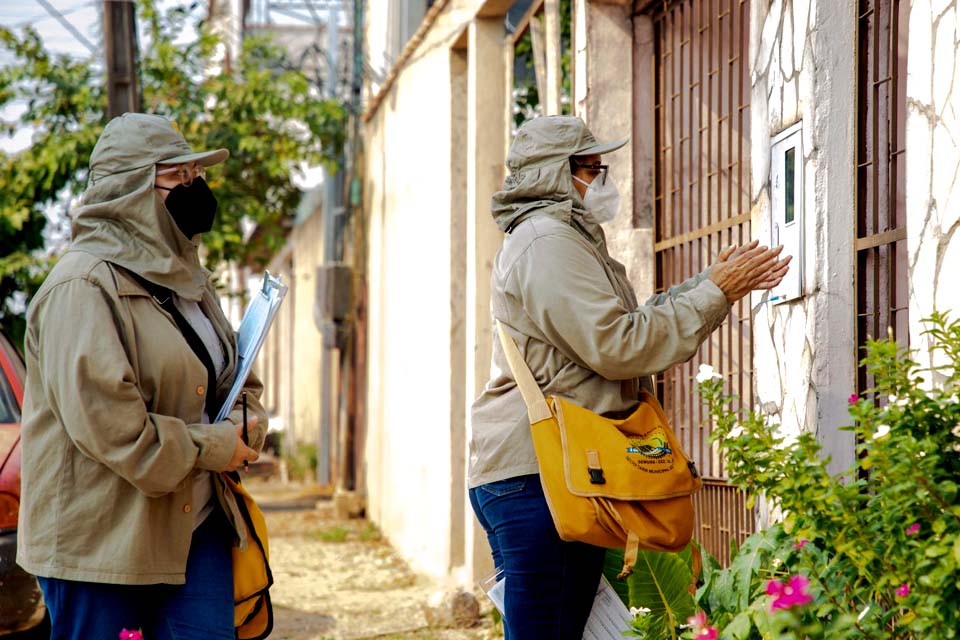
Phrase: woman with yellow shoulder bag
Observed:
(568, 421)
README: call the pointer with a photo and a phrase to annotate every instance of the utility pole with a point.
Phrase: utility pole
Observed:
(122, 57)
(332, 207)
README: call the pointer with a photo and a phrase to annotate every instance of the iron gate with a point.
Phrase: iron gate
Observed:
(881, 245)
(702, 203)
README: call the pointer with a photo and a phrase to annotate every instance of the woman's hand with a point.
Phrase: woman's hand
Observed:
(740, 270)
(241, 451)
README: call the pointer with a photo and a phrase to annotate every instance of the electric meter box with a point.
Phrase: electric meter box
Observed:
(786, 203)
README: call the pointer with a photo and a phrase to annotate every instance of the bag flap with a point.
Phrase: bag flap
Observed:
(637, 458)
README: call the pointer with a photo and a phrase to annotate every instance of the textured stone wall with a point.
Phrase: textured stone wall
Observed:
(802, 70)
(933, 162)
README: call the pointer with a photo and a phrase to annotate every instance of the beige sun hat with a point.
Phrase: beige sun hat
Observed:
(135, 140)
(549, 139)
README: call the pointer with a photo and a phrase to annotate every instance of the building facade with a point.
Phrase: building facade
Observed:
(829, 127)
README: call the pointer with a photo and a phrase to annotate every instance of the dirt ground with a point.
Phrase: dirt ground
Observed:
(336, 578)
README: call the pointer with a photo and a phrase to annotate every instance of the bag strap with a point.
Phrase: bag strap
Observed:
(164, 297)
(537, 408)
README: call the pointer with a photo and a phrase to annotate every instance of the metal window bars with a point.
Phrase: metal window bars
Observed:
(882, 293)
(702, 203)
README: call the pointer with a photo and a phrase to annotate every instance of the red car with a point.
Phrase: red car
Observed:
(21, 603)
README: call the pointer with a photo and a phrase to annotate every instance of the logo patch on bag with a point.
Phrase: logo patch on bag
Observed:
(651, 445)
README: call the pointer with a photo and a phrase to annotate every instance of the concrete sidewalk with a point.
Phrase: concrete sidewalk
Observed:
(338, 578)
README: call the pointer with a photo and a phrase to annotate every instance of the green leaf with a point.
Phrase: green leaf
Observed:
(612, 565)
(661, 582)
(739, 628)
(755, 553)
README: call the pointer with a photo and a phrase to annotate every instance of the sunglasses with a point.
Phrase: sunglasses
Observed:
(186, 174)
(595, 168)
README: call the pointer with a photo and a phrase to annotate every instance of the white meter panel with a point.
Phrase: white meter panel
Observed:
(786, 200)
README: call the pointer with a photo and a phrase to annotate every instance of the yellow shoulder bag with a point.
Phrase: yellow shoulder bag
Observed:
(252, 579)
(610, 483)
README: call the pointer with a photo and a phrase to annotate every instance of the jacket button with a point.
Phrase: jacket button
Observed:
(200, 390)
(186, 508)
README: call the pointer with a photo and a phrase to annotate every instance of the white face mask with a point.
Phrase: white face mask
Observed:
(601, 200)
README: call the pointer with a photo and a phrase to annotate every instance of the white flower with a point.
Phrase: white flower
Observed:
(863, 613)
(707, 373)
(636, 612)
(956, 431)
(897, 402)
(882, 432)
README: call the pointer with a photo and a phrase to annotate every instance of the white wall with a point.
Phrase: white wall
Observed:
(933, 164)
(408, 198)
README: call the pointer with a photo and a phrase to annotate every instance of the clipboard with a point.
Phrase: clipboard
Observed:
(609, 617)
(253, 330)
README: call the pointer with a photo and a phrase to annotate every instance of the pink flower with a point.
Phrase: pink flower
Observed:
(801, 544)
(700, 629)
(903, 590)
(131, 635)
(853, 399)
(698, 621)
(912, 529)
(792, 594)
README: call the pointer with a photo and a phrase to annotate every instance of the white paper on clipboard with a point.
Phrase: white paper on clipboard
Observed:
(609, 617)
(253, 329)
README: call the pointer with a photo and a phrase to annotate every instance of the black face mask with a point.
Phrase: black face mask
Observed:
(192, 208)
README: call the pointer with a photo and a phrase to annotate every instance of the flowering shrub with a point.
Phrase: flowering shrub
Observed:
(873, 553)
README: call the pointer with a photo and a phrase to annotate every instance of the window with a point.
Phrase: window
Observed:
(881, 238)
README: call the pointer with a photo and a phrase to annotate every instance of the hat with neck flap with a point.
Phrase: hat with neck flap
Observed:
(122, 218)
(540, 178)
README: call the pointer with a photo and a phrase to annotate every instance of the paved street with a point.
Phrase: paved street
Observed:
(340, 579)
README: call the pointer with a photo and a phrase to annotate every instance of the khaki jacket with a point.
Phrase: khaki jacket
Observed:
(112, 419)
(574, 315)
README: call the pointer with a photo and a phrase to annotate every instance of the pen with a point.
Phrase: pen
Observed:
(246, 439)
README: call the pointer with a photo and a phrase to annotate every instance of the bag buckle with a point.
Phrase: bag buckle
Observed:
(593, 466)
(693, 469)
(596, 476)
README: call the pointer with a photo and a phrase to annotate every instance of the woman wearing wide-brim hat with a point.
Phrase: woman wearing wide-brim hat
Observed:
(124, 517)
(571, 310)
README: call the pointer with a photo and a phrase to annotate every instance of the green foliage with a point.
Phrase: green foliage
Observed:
(526, 98)
(661, 582)
(333, 534)
(660, 587)
(612, 564)
(64, 103)
(301, 462)
(261, 109)
(880, 544)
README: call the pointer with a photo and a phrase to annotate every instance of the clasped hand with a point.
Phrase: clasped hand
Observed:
(740, 270)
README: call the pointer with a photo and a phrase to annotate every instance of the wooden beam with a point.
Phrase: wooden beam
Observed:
(494, 8)
(878, 239)
(524, 22)
(701, 232)
(463, 40)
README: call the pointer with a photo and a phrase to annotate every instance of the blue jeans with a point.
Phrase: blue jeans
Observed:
(200, 609)
(550, 584)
